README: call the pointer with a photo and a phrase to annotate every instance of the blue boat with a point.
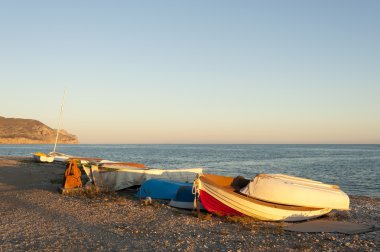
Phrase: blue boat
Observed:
(160, 189)
(184, 198)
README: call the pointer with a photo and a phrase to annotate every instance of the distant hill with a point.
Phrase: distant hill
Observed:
(29, 131)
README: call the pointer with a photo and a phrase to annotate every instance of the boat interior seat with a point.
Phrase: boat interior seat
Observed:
(239, 182)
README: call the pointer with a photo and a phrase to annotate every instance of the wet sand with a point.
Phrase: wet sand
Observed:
(35, 217)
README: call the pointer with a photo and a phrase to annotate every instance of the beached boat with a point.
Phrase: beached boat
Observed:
(106, 164)
(290, 190)
(160, 189)
(42, 157)
(184, 198)
(179, 193)
(117, 179)
(221, 195)
(60, 157)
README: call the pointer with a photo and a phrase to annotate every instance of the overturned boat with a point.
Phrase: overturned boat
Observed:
(295, 191)
(112, 165)
(117, 179)
(221, 195)
(185, 199)
(160, 189)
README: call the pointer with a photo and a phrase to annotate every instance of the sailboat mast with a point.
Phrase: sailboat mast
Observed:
(60, 121)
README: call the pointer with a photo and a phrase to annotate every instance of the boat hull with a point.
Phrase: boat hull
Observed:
(160, 189)
(42, 158)
(121, 165)
(289, 190)
(60, 157)
(217, 196)
(123, 178)
(184, 198)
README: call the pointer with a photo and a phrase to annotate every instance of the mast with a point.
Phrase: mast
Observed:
(60, 121)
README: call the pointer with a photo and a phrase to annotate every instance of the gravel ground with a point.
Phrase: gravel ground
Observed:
(35, 217)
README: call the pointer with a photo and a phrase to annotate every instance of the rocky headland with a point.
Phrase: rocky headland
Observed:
(29, 131)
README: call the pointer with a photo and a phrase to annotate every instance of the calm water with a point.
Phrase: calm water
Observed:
(356, 168)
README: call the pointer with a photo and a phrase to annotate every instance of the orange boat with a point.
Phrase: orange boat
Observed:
(121, 165)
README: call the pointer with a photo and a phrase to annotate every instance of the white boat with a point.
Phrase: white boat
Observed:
(60, 157)
(118, 179)
(295, 191)
(42, 157)
(218, 195)
(56, 156)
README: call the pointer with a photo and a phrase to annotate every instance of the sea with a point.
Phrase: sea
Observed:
(355, 168)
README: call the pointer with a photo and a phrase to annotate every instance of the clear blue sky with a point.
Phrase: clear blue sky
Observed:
(195, 71)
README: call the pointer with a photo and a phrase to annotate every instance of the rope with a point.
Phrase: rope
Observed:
(196, 191)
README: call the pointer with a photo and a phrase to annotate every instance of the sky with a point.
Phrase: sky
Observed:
(195, 72)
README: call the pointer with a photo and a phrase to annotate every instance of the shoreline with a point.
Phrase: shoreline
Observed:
(36, 217)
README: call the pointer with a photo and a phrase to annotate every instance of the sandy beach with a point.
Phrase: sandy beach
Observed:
(36, 217)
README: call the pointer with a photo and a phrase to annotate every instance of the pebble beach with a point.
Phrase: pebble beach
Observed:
(36, 217)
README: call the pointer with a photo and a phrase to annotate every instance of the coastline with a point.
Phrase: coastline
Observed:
(36, 217)
(349, 166)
